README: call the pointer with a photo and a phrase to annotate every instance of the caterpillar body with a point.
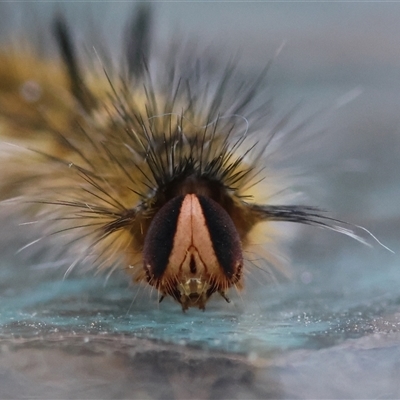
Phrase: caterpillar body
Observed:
(160, 173)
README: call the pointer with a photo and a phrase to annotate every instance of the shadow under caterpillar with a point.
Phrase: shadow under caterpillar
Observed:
(158, 172)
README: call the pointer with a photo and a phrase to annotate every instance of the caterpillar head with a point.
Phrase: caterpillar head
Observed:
(192, 249)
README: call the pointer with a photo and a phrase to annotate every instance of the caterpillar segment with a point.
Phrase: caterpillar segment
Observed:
(159, 175)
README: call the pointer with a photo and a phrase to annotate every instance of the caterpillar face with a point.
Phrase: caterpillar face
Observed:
(192, 249)
(158, 175)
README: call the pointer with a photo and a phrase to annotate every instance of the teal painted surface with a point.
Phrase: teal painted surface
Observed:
(289, 316)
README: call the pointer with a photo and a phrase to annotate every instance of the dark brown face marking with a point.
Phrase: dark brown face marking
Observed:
(160, 238)
(192, 249)
(224, 236)
(193, 268)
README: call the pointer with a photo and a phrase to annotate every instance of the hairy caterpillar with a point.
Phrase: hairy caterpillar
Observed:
(156, 168)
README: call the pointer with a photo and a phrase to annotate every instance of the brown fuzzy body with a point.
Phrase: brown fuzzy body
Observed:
(87, 173)
(92, 158)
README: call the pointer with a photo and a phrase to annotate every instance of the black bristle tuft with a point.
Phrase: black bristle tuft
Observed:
(138, 41)
(68, 54)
